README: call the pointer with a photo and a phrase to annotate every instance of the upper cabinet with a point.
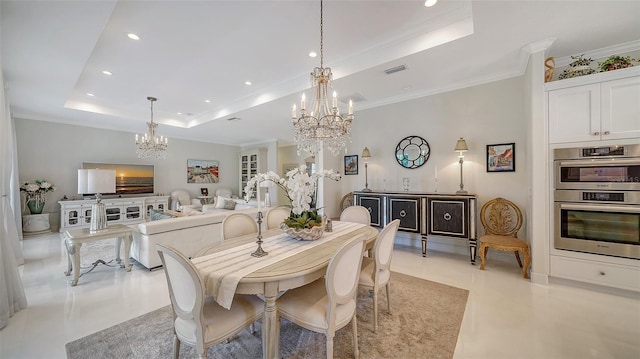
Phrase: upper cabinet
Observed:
(595, 107)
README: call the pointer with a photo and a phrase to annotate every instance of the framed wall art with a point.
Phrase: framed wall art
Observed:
(351, 165)
(501, 157)
(203, 171)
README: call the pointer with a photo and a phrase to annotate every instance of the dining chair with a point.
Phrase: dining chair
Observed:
(198, 320)
(238, 224)
(358, 214)
(328, 304)
(502, 220)
(375, 270)
(277, 215)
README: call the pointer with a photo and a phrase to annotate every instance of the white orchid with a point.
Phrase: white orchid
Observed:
(36, 191)
(300, 187)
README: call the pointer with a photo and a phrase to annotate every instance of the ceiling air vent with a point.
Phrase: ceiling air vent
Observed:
(230, 119)
(395, 69)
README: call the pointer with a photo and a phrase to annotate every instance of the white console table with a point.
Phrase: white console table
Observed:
(74, 238)
(124, 210)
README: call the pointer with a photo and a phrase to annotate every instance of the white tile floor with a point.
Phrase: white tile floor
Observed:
(506, 316)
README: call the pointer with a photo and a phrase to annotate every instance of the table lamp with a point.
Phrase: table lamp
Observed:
(97, 181)
(461, 147)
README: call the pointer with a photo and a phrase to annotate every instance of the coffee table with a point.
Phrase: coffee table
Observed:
(74, 238)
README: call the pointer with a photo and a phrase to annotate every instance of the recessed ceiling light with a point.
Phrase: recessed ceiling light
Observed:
(178, 113)
(90, 94)
(312, 54)
(107, 72)
(248, 83)
(207, 101)
(430, 3)
(133, 36)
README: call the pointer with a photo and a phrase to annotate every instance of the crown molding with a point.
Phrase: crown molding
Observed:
(602, 53)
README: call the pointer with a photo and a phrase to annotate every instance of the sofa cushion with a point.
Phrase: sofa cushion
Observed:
(155, 215)
(225, 203)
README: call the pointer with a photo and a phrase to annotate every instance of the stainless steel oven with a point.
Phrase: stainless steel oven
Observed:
(599, 168)
(599, 222)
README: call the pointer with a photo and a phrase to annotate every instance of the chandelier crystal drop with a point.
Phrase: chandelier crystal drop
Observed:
(151, 145)
(324, 126)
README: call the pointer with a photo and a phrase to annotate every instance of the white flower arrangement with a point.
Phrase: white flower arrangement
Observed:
(301, 189)
(36, 191)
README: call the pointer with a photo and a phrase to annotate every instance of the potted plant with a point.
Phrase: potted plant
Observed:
(303, 222)
(580, 67)
(616, 62)
(35, 194)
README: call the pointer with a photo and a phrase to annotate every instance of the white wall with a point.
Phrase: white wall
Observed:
(486, 114)
(54, 152)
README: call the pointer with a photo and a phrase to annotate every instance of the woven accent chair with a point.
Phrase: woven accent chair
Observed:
(376, 270)
(198, 320)
(502, 220)
(329, 303)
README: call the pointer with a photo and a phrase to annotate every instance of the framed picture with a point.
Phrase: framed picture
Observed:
(203, 171)
(351, 165)
(204, 191)
(501, 157)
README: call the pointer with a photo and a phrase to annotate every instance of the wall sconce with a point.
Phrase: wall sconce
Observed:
(461, 146)
(97, 181)
(365, 157)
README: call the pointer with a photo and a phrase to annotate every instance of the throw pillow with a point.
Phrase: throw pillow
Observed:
(220, 202)
(229, 204)
(155, 215)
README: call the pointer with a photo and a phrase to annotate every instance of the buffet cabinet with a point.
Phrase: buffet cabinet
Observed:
(251, 163)
(129, 210)
(426, 214)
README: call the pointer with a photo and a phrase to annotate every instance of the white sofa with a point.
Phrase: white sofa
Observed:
(187, 234)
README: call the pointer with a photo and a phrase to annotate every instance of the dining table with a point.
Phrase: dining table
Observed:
(228, 268)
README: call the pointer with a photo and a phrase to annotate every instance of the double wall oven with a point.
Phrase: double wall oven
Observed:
(597, 200)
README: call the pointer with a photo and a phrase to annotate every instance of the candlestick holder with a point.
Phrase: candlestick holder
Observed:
(259, 251)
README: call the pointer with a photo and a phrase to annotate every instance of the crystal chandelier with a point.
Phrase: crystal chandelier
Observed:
(324, 127)
(150, 145)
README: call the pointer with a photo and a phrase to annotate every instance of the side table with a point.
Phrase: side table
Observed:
(74, 238)
(35, 224)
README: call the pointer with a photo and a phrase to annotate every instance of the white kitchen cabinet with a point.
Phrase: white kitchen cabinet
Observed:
(599, 107)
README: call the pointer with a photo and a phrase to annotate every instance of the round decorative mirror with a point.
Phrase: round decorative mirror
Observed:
(412, 152)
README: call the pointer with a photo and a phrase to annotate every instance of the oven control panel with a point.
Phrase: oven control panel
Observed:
(603, 151)
(603, 196)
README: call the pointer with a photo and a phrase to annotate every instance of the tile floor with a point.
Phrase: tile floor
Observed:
(506, 316)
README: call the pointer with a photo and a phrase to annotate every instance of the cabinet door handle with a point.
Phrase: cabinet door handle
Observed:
(596, 133)
(602, 273)
(606, 132)
(447, 216)
(403, 213)
(369, 209)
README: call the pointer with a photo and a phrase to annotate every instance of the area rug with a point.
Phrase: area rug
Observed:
(424, 322)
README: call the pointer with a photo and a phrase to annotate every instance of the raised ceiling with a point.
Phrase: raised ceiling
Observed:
(195, 56)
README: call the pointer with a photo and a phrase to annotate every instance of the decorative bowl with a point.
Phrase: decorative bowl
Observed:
(303, 234)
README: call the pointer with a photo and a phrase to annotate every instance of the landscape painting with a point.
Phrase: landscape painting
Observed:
(203, 171)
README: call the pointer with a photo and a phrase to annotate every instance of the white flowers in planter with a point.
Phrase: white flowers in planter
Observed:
(300, 187)
(36, 191)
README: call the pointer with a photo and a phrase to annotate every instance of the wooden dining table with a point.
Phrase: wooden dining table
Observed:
(287, 273)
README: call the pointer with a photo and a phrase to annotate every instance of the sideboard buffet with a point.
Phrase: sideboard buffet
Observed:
(425, 214)
(124, 210)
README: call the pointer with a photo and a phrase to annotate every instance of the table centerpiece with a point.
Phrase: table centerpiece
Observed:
(303, 222)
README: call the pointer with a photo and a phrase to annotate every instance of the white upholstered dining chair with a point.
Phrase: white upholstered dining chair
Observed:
(328, 304)
(277, 215)
(238, 224)
(198, 320)
(376, 272)
(356, 214)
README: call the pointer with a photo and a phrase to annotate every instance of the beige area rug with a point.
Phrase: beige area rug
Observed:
(424, 323)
